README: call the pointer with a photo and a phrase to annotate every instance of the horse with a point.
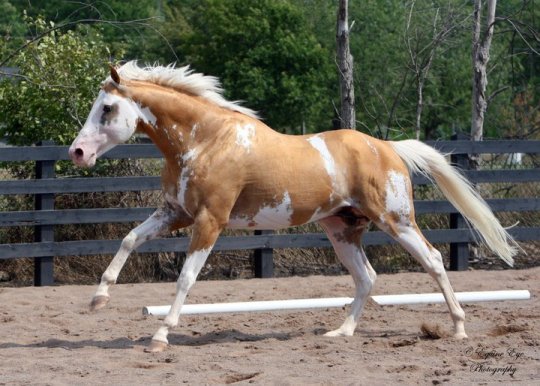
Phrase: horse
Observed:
(224, 168)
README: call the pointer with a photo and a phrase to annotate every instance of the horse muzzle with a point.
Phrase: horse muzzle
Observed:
(82, 156)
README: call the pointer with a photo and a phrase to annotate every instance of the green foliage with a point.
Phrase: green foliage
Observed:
(124, 25)
(264, 54)
(278, 56)
(59, 78)
(10, 23)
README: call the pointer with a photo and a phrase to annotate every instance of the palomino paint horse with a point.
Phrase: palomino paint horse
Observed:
(226, 169)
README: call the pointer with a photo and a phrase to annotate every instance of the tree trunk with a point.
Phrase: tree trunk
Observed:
(481, 44)
(480, 55)
(419, 107)
(345, 67)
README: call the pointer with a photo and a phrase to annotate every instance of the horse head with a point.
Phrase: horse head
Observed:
(113, 119)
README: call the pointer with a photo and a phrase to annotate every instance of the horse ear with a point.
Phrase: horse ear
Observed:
(114, 74)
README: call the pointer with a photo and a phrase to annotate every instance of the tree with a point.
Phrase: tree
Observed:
(264, 54)
(11, 27)
(58, 79)
(481, 44)
(423, 44)
(345, 67)
(127, 26)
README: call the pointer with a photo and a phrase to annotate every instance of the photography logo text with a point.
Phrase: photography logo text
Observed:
(494, 361)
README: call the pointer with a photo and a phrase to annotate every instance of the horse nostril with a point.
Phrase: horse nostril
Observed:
(79, 152)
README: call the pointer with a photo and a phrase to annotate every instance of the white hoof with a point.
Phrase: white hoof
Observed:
(338, 332)
(98, 302)
(156, 346)
(460, 335)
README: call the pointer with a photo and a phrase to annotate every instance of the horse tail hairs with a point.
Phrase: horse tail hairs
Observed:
(423, 159)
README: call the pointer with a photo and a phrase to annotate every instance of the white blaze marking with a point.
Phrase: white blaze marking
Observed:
(244, 136)
(397, 196)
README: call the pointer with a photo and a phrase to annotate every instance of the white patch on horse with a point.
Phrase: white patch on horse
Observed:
(271, 216)
(329, 165)
(373, 148)
(277, 215)
(318, 215)
(187, 172)
(194, 129)
(397, 196)
(317, 141)
(148, 116)
(171, 200)
(244, 136)
(240, 222)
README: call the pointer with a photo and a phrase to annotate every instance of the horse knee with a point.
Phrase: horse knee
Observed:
(368, 284)
(434, 264)
(128, 243)
(372, 277)
(108, 278)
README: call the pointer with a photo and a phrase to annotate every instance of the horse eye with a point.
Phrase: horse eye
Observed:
(107, 108)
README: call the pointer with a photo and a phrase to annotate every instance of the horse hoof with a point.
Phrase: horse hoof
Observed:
(460, 336)
(337, 332)
(98, 302)
(156, 346)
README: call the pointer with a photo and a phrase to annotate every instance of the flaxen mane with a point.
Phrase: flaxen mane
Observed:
(185, 80)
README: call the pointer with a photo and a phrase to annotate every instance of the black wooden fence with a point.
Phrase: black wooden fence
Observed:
(45, 217)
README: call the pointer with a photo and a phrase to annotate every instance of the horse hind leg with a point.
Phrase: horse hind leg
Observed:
(346, 242)
(411, 238)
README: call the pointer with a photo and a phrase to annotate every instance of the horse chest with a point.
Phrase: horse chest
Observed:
(177, 181)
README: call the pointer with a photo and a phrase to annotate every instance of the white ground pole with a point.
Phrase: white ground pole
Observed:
(301, 304)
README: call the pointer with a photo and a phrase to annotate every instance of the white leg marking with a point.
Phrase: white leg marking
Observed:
(190, 270)
(432, 262)
(154, 226)
(354, 259)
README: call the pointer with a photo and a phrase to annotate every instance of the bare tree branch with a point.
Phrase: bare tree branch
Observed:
(496, 92)
(138, 22)
(518, 31)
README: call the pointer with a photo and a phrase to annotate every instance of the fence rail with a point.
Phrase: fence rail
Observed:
(45, 217)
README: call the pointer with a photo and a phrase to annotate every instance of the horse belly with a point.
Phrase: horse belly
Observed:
(273, 215)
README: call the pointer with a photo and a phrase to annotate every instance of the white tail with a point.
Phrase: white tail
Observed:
(421, 158)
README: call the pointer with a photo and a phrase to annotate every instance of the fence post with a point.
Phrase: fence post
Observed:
(44, 266)
(263, 258)
(459, 252)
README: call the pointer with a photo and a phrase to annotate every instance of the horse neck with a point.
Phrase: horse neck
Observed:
(181, 121)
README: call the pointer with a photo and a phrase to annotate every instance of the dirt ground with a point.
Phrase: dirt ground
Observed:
(47, 336)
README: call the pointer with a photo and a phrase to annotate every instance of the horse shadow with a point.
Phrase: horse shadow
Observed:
(217, 337)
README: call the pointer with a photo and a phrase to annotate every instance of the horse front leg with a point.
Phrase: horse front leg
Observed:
(205, 233)
(156, 225)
